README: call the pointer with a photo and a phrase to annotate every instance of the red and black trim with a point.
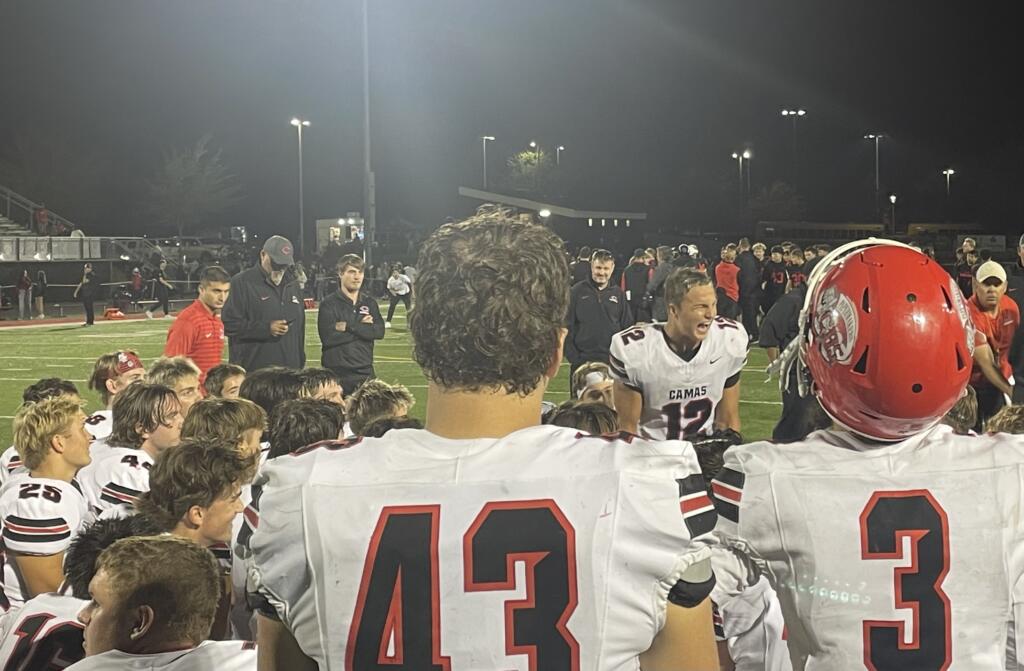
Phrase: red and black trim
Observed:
(716, 622)
(330, 445)
(119, 495)
(24, 530)
(727, 490)
(696, 506)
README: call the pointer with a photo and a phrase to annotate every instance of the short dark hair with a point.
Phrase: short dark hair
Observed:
(375, 399)
(218, 375)
(213, 274)
(777, 249)
(680, 281)
(314, 378)
(48, 387)
(382, 425)
(596, 418)
(196, 473)
(225, 419)
(141, 405)
(601, 255)
(303, 421)
(86, 547)
(493, 293)
(584, 252)
(353, 260)
(267, 387)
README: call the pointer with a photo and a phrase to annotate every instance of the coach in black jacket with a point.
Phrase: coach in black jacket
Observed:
(264, 316)
(597, 311)
(349, 322)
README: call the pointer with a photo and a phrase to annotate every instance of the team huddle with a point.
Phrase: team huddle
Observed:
(275, 524)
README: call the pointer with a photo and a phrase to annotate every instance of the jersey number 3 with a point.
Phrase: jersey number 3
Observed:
(890, 522)
(397, 622)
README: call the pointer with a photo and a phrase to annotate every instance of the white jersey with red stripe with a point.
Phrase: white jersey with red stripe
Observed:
(42, 635)
(100, 424)
(207, 656)
(40, 516)
(116, 478)
(906, 555)
(679, 396)
(544, 549)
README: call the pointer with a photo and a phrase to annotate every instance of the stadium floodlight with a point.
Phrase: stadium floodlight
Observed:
(747, 154)
(558, 153)
(892, 198)
(300, 122)
(545, 213)
(484, 139)
(351, 221)
(533, 144)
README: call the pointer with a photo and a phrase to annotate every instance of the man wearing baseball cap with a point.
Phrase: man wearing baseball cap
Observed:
(264, 316)
(996, 319)
(1015, 290)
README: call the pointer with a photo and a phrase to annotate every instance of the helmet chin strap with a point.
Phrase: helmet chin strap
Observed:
(792, 356)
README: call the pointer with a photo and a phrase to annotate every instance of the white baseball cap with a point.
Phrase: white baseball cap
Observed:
(990, 269)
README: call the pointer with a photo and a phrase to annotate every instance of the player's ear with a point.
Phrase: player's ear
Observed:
(57, 444)
(143, 620)
(556, 360)
(194, 516)
(111, 385)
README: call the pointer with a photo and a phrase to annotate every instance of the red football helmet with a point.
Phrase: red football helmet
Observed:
(887, 338)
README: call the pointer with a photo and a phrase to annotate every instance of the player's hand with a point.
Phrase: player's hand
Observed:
(340, 326)
(278, 327)
(368, 319)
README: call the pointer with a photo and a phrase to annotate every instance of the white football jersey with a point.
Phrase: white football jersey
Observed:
(207, 656)
(44, 634)
(40, 516)
(905, 555)
(679, 396)
(100, 424)
(116, 478)
(555, 549)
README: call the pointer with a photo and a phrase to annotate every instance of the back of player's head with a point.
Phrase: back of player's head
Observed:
(304, 421)
(1009, 419)
(175, 579)
(85, 548)
(964, 413)
(664, 253)
(493, 292)
(350, 261)
(138, 410)
(111, 366)
(382, 425)
(585, 252)
(887, 339)
(596, 418)
(223, 419)
(267, 387)
(374, 399)
(213, 275)
(36, 424)
(218, 375)
(196, 473)
(47, 388)
(680, 281)
(170, 370)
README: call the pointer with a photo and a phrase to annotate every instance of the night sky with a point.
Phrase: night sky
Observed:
(649, 97)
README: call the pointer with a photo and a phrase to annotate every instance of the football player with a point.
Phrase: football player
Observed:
(42, 509)
(153, 600)
(893, 542)
(180, 374)
(10, 460)
(111, 375)
(681, 378)
(485, 541)
(147, 421)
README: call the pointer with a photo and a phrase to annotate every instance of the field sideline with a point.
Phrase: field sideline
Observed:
(69, 350)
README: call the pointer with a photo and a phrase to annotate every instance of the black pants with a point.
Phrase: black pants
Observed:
(350, 381)
(990, 401)
(727, 307)
(749, 305)
(163, 296)
(90, 315)
(394, 302)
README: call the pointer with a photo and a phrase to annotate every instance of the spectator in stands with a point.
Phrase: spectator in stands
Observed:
(376, 399)
(87, 290)
(40, 294)
(579, 270)
(136, 287)
(264, 316)
(597, 311)
(996, 320)
(41, 216)
(25, 295)
(300, 422)
(161, 289)
(749, 278)
(198, 332)
(349, 323)
(634, 285)
(727, 283)
(224, 380)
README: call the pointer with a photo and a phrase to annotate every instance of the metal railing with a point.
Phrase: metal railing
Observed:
(22, 210)
(26, 249)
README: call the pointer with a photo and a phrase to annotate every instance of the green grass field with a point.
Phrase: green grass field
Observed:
(27, 354)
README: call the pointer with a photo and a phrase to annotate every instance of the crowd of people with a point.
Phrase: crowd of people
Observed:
(259, 513)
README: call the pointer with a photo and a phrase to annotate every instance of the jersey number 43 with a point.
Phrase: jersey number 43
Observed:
(397, 616)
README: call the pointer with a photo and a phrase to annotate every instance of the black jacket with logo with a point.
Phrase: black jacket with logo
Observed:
(595, 315)
(253, 303)
(349, 352)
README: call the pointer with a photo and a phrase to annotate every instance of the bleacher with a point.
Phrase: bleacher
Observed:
(12, 228)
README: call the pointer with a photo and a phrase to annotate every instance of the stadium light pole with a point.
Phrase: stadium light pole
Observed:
(877, 137)
(948, 172)
(369, 185)
(299, 125)
(484, 139)
(738, 157)
(892, 216)
(748, 156)
(558, 154)
(536, 163)
(793, 115)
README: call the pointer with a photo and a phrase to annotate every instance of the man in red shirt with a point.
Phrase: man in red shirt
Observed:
(198, 332)
(996, 318)
(727, 281)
